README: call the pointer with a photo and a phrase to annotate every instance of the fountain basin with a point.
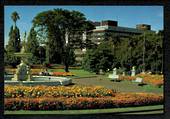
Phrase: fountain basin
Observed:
(8, 77)
(42, 80)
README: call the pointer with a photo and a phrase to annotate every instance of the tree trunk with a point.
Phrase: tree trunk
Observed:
(66, 67)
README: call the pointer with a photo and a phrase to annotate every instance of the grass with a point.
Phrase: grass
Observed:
(156, 109)
(151, 88)
(83, 77)
(77, 72)
(122, 86)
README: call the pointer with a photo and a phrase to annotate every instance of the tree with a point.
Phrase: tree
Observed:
(54, 24)
(154, 52)
(100, 58)
(15, 17)
(13, 42)
(41, 54)
(129, 52)
(68, 57)
(33, 46)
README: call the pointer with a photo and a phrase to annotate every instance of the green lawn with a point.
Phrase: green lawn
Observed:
(77, 72)
(156, 109)
(123, 86)
(151, 88)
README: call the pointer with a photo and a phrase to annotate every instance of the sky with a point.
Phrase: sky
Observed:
(127, 16)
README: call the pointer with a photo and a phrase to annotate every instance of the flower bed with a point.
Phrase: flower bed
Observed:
(56, 91)
(63, 103)
(10, 70)
(128, 78)
(156, 80)
(73, 97)
(37, 71)
(61, 74)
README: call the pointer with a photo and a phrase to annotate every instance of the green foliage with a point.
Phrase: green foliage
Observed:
(154, 52)
(53, 24)
(9, 59)
(14, 40)
(33, 47)
(129, 52)
(13, 43)
(15, 17)
(72, 57)
(100, 58)
(126, 53)
(68, 57)
(41, 54)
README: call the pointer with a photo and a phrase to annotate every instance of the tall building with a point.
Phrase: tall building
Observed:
(104, 28)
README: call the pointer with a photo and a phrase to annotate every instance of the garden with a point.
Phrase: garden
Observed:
(88, 91)
(73, 97)
(54, 61)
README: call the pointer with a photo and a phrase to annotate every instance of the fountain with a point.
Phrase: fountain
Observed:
(23, 74)
(23, 70)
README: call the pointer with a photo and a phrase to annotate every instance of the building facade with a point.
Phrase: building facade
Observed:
(104, 28)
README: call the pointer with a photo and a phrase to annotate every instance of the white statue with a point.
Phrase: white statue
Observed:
(115, 71)
(133, 71)
(22, 72)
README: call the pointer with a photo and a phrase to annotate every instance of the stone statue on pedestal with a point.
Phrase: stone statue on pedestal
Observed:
(133, 71)
(22, 72)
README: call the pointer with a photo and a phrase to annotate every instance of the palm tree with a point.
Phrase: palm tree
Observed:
(15, 17)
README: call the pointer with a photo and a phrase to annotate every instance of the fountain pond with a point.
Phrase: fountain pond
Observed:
(39, 80)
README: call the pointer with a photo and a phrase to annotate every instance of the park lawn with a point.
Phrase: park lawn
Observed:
(145, 88)
(122, 86)
(77, 72)
(155, 109)
(80, 73)
(151, 88)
